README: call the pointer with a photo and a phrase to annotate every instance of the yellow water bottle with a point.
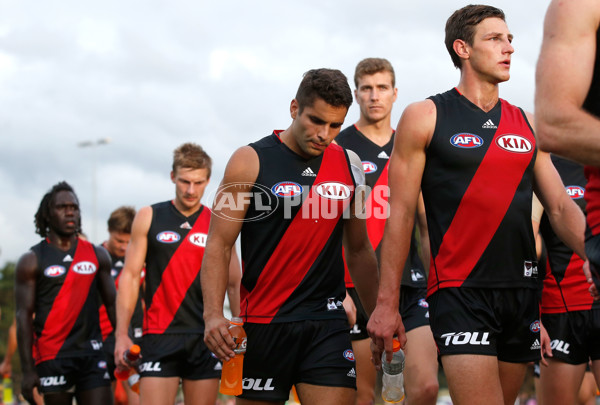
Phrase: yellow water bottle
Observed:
(7, 392)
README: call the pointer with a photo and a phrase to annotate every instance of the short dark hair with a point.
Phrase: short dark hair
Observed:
(120, 220)
(42, 216)
(329, 84)
(191, 156)
(461, 25)
(370, 66)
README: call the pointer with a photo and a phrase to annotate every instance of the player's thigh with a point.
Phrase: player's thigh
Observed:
(511, 379)
(366, 374)
(473, 379)
(158, 390)
(200, 392)
(95, 396)
(58, 398)
(314, 394)
(587, 390)
(421, 366)
(560, 381)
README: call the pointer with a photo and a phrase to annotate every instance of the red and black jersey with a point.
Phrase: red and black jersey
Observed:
(565, 286)
(292, 235)
(477, 186)
(592, 105)
(137, 319)
(375, 160)
(173, 295)
(66, 302)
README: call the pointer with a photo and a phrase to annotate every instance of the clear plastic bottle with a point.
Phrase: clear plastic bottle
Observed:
(132, 358)
(392, 387)
(231, 376)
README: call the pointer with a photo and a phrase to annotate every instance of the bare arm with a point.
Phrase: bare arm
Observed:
(423, 233)
(129, 281)
(26, 275)
(564, 74)
(405, 171)
(11, 348)
(233, 286)
(106, 284)
(225, 226)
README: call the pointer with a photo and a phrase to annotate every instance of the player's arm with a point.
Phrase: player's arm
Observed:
(106, 284)
(406, 167)
(360, 257)
(25, 284)
(225, 225)
(564, 73)
(423, 233)
(129, 281)
(233, 285)
(11, 348)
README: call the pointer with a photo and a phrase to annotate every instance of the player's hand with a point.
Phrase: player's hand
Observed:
(217, 337)
(122, 344)
(588, 276)
(350, 309)
(384, 324)
(545, 348)
(5, 367)
(30, 382)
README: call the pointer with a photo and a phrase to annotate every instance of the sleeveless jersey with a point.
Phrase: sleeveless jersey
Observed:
(292, 256)
(137, 318)
(565, 286)
(477, 186)
(66, 302)
(592, 105)
(375, 161)
(175, 250)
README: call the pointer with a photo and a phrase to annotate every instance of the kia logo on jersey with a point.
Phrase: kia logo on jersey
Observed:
(333, 190)
(514, 143)
(198, 239)
(168, 237)
(466, 141)
(575, 192)
(369, 167)
(286, 189)
(54, 271)
(84, 268)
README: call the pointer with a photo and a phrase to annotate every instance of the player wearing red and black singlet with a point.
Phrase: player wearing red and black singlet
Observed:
(287, 277)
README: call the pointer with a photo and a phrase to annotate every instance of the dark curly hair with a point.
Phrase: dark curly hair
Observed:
(42, 216)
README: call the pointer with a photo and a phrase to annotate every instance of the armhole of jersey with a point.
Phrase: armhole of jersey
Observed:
(258, 155)
(437, 120)
(527, 121)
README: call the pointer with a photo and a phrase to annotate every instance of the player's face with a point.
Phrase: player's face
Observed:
(64, 214)
(117, 243)
(189, 186)
(315, 128)
(375, 96)
(491, 51)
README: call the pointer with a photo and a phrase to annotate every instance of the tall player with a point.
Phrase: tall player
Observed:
(473, 155)
(372, 138)
(57, 285)
(291, 195)
(169, 238)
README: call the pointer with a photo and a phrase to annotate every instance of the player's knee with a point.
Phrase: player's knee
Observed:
(365, 397)
(423, 393)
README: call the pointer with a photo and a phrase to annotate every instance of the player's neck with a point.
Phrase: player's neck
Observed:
(63, 242)
(479, 92)
(185, 211)
(379, 132)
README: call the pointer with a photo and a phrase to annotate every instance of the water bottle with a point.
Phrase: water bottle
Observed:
(392, 388)
(7, 394)
(231, 375)
(132, 358)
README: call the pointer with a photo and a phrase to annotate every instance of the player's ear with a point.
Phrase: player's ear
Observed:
(172, 176)
(294, 107)
(461, 48)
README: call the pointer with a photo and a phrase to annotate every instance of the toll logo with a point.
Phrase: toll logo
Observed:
(198, 239)
(514, 143)
(369, 167)
(53, 381)
(333, 191)
(168, 237)
(150, 366)
(466, 141)
(84, 268)
(535, 327)
(257, 384)
(560, 345)
(349, 355)
(464, 338)
(575, 192)
(286, 189)
(54, 271)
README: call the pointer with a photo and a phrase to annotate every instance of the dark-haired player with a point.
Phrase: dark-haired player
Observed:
(57, 284)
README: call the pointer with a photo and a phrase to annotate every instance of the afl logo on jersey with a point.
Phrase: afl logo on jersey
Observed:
(333, 191)
(575, 192)
(369, 167)
(198, 239)
(515, 143)
(54, 271)
(84, 268)
(168, 237)
(286, 189)
(349, 355)
(466, 141)
(535, 327)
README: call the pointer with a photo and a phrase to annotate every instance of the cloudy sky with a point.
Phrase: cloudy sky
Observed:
(151, 75)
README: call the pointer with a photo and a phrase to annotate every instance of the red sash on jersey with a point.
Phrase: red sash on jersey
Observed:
(180, 273)
(67, 305)
(592, 197)
(572, 292)
(476, 221)
(290, 261)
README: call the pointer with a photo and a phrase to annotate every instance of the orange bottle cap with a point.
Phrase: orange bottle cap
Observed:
(395, 345)
(135, 350)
